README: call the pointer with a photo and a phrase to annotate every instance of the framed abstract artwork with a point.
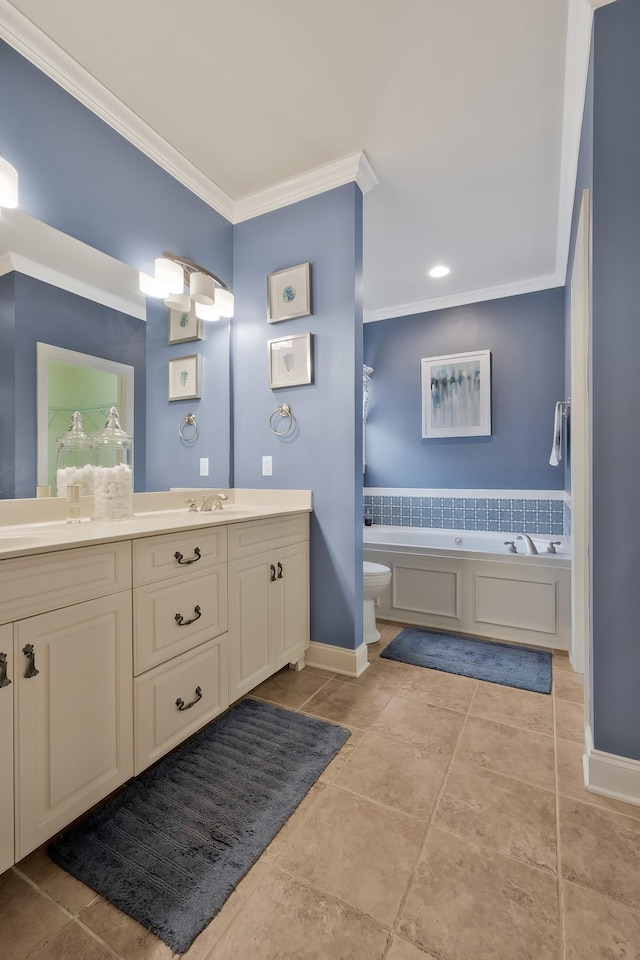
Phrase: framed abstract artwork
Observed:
(456, 395)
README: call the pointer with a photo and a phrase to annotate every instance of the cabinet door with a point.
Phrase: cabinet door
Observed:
(6, 728)
(291, 603)
(74, 725)
(250, 656)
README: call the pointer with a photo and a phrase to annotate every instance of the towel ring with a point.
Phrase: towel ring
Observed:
(189, 421)
(284, 411)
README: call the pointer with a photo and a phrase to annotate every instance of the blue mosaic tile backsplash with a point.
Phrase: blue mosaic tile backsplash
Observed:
(470, 513)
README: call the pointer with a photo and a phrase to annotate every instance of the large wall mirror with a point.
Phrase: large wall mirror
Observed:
(85, 311)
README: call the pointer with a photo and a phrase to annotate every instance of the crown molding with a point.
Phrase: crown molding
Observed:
(515, 289)
(599, 3)
(354, 167)
(23, 35)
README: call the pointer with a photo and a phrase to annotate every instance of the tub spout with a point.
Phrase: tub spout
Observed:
(529, 545)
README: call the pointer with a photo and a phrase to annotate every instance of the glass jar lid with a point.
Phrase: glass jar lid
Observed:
(75, 435)
(112, 433)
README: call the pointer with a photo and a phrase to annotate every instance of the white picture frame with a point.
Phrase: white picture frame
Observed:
(183, 326)
(289, 293)
(289, 361)
(456, 395)
(185, 376)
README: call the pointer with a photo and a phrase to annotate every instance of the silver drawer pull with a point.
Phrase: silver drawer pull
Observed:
(4, 679)
(181, 705)
(180, 557)
(185, 623)
(30, 654)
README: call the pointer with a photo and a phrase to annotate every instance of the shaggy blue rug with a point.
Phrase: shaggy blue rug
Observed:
(170, 848)
(482, 659)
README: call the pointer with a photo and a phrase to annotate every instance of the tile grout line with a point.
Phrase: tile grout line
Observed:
(71, 917)
(430, 822)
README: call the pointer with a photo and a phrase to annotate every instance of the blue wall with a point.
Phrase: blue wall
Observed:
(526, 337)
(78, 175)
(324, 453)
(616, 390)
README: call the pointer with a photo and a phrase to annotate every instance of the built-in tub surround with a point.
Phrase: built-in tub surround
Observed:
(467, 581)
(512, 511)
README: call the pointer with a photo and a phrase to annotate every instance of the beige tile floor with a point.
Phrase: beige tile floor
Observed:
(453, 825)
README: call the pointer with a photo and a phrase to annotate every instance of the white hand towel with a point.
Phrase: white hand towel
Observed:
(556, 449)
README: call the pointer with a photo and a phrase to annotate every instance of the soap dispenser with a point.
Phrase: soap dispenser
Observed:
(112, 473)
(74, 459)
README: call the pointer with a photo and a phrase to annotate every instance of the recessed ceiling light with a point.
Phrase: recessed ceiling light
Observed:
(440, 270)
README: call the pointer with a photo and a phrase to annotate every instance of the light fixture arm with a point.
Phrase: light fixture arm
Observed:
(189, 267)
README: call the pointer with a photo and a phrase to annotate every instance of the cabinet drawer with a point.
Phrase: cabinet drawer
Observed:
(50, 581)
(257, 536)
(158, 607)
(198, 680)
(154, 558)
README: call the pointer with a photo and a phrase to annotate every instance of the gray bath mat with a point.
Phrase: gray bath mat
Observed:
(174, 844)
(482, 659)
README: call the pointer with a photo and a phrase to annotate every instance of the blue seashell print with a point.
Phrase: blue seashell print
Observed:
(288, 359)
(184, 319)
(289, 294)
(184, 376)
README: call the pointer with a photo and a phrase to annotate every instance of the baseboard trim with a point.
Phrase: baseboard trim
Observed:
(610, 775)
(350, 663)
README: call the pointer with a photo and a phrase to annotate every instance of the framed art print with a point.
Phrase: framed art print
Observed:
(185, 377)
(184, 326)
(289, 293)
(289, 361)
(456, 395)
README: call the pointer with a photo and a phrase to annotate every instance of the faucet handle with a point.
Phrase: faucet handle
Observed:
(192, 506)
(511, 545)
(551, 548)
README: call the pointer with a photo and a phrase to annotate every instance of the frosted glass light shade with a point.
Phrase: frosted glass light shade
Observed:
(169, 274)
(224, 302)
(150, 286)
(202, 289)
(178, 301)
(206, 312)
(8, 184)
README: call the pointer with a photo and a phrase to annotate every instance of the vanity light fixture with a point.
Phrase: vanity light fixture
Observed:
(440, 270)
(172, 273)
(8, 184)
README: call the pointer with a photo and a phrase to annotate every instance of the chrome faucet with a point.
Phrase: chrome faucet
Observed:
(529, 545)
(213, 502)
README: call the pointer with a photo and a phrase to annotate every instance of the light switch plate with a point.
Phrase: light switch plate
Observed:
(204, 466)
(267, 466)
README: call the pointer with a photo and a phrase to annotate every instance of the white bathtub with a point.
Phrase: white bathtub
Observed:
(467, 581)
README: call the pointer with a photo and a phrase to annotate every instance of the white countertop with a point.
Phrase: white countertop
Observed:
(154, 514)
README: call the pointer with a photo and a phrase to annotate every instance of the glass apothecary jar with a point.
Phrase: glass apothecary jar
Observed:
(74, 459)
(112, 473)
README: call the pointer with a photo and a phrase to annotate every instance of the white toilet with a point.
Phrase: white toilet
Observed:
(375, 578)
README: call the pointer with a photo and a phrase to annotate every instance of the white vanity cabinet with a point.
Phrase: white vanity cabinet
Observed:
(7, 677)
(181, 645)
(72, 684)
(268, 598)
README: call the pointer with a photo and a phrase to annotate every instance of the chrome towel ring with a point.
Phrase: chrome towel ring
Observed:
(284, 412)
(190, 422)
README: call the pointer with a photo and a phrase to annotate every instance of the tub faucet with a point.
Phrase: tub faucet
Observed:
(529, 545)
(213, 502)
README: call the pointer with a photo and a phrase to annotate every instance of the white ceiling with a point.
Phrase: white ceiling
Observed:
(458, 105)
